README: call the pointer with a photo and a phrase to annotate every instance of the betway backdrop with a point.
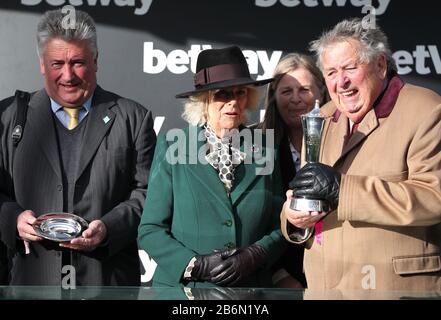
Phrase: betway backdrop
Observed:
(148, 48)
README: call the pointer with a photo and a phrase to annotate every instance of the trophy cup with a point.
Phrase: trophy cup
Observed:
(312, 124)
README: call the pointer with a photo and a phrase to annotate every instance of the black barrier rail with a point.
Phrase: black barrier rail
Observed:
(9, 293)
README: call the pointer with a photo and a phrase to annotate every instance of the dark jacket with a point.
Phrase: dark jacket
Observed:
(292, 259)
(111, 182)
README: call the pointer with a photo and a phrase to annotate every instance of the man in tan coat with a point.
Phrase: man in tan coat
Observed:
(380, 170)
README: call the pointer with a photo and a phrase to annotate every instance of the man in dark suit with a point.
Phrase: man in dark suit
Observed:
(85, 151)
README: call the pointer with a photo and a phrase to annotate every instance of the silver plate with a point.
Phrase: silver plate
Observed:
(60, 226)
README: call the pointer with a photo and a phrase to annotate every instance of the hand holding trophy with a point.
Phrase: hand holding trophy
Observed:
(316, 185)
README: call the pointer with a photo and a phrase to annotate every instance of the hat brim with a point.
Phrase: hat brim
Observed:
(225, 84)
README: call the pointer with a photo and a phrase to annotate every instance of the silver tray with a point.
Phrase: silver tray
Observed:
(60, 226)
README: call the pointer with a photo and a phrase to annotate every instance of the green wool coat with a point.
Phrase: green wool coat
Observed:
(188, 212)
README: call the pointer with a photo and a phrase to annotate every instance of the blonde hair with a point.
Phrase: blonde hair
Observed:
(289, 63)
(195, 106)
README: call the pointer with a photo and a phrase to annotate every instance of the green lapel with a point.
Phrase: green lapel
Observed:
(250, 171)
(202, 172)
(207, 177)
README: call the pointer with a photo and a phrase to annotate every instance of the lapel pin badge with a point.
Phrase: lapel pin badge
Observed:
(106, 119)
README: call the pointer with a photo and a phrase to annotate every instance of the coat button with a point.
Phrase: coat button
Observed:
(228, 223)
(59, 187)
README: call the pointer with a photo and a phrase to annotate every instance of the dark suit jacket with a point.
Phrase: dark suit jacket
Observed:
(188, 212)
(292, 259)
(287, 165)
(110, 185)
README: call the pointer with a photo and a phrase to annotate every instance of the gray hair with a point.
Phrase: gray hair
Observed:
(373, 42)
(195, 107)
(53, 26)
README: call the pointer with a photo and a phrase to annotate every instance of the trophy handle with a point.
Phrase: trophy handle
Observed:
(300, 236)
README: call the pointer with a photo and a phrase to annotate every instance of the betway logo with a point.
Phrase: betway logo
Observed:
(382, 4)
(420, 58)
(140, 9)
(180, 61)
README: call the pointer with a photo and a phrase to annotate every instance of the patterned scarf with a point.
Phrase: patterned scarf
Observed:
(223, 156)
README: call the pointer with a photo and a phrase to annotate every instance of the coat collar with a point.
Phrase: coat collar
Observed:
(383, 107)
(40, 124)
(245, 173)
(100, 120)
(385, 102)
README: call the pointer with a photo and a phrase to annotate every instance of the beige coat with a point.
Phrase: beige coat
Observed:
(386, 234)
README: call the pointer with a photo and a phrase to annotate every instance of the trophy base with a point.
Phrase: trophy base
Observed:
(303, 204)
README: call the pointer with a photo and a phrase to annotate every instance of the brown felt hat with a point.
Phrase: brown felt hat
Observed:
(221, 68)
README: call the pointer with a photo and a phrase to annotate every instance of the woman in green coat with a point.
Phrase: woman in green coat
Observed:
(211, 216)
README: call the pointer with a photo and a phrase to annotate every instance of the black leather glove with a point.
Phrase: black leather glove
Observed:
(238, 266)
(204, 264)
(317, 181)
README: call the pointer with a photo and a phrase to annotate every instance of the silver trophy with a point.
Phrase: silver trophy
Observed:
(312, 124)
